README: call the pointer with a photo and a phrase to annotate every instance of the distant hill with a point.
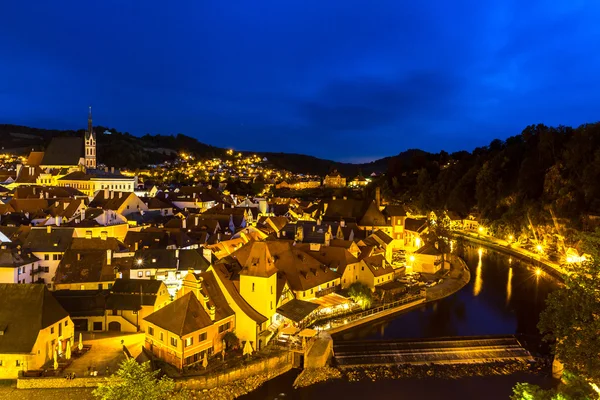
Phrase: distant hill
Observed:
(123, 150)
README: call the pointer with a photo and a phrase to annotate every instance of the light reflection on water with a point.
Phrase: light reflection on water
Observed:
(478, 280)
(509, 285)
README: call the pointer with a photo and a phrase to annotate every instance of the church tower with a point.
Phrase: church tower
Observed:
(90, 144)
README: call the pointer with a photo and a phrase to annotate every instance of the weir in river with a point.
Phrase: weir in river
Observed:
(445, 350)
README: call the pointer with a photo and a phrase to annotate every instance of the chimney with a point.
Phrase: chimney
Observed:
(108, 256)
(82, 214)
(112, 195)
(78, 256)
(105, 194)
(176, 253)
(211, 312)
(196, 219)
(278, 233)
(383, 263)
(105, 169)
(184, 223)
(58, 220)
(342, 223)
(112, 170)
(207, 253)
(103, 235)
(48, 228)
(378, 196)
(223, 206)
(120, 194)
(136, 246)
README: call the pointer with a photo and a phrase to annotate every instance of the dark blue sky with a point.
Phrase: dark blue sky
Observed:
(341, 79)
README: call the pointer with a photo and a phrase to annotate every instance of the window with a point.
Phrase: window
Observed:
(51, 330)
(147, 273)
(140, 274)
(173, 342)
(67, 323)
(0, 363)
(225, 327)
(99, 286)
(362, 268)
(202, 337)
(189, 341)
(110, 285)
(271, 305)
(55, 257)
(162, 339)
(253, 286)
(46, 269)
(271, 289)
(150, 331)
(81, 287)
(18, 363)
(46, 257)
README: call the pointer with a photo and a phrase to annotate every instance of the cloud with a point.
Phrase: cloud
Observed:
(369, 103)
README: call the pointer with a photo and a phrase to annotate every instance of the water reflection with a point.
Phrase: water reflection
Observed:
(503, 298)
(509, 285)
(478, 280)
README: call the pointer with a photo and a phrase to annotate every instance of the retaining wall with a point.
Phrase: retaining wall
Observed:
(58, 383)
(270, 367)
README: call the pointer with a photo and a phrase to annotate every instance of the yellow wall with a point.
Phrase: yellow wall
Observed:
(118, 231)
(260, 293)
(176, 355)
(311, 293)
(41, 352)
(83, 286)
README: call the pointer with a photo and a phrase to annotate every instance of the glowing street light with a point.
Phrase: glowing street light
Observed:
(539, 248)
(139, 261)
(538, 271)
(480, 229)
(511, 238)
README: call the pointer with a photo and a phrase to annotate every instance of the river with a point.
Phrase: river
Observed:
(504, 296)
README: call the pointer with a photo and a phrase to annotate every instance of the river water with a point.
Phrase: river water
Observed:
(504, 296)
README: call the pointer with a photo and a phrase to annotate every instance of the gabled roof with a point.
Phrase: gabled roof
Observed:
(57, 240)
(428, 249)
(109, 243)
(415, 225)
(35, 158)
(212, 291)
(372, 216)
(224, 276)
(394, 211)
(11, 258)
(181, 260)
(181, 317)
(84, 266)
(297, 310)
(64, 151)
(112, 200)
(256, 260)
(26, 309)
(136, 286)
(377, 265)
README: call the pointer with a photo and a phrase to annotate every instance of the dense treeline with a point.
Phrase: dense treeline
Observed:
(542, 173)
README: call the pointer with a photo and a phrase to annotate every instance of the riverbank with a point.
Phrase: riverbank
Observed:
(456, 279)
(504, 247)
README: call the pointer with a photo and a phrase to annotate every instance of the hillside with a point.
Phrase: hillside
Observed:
(123, 150)
(545, 175)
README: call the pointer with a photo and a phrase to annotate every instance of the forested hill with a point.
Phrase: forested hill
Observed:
(125, 150)
(528, 178)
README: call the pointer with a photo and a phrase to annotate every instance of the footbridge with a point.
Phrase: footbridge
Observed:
(443, 350)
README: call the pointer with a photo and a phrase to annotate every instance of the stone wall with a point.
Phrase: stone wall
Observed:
(269, 367)
(58, 383)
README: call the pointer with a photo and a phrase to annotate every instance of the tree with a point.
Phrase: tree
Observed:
(231, 340)
(571, 321)
(361, 294)
(134, 381)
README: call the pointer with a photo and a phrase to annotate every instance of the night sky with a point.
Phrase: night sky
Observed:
(339, 79)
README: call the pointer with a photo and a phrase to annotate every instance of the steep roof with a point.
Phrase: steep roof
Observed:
(394, 211)
(84, 266)
(64, 151)
(26, 309)
(256, 260)
(12, 259)
(181, 317)
(211, 289)
(224, 276)
(35, 158)
(428, 249)
(415, 225)
(136, 286)
(57, 240)
(372, 216)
